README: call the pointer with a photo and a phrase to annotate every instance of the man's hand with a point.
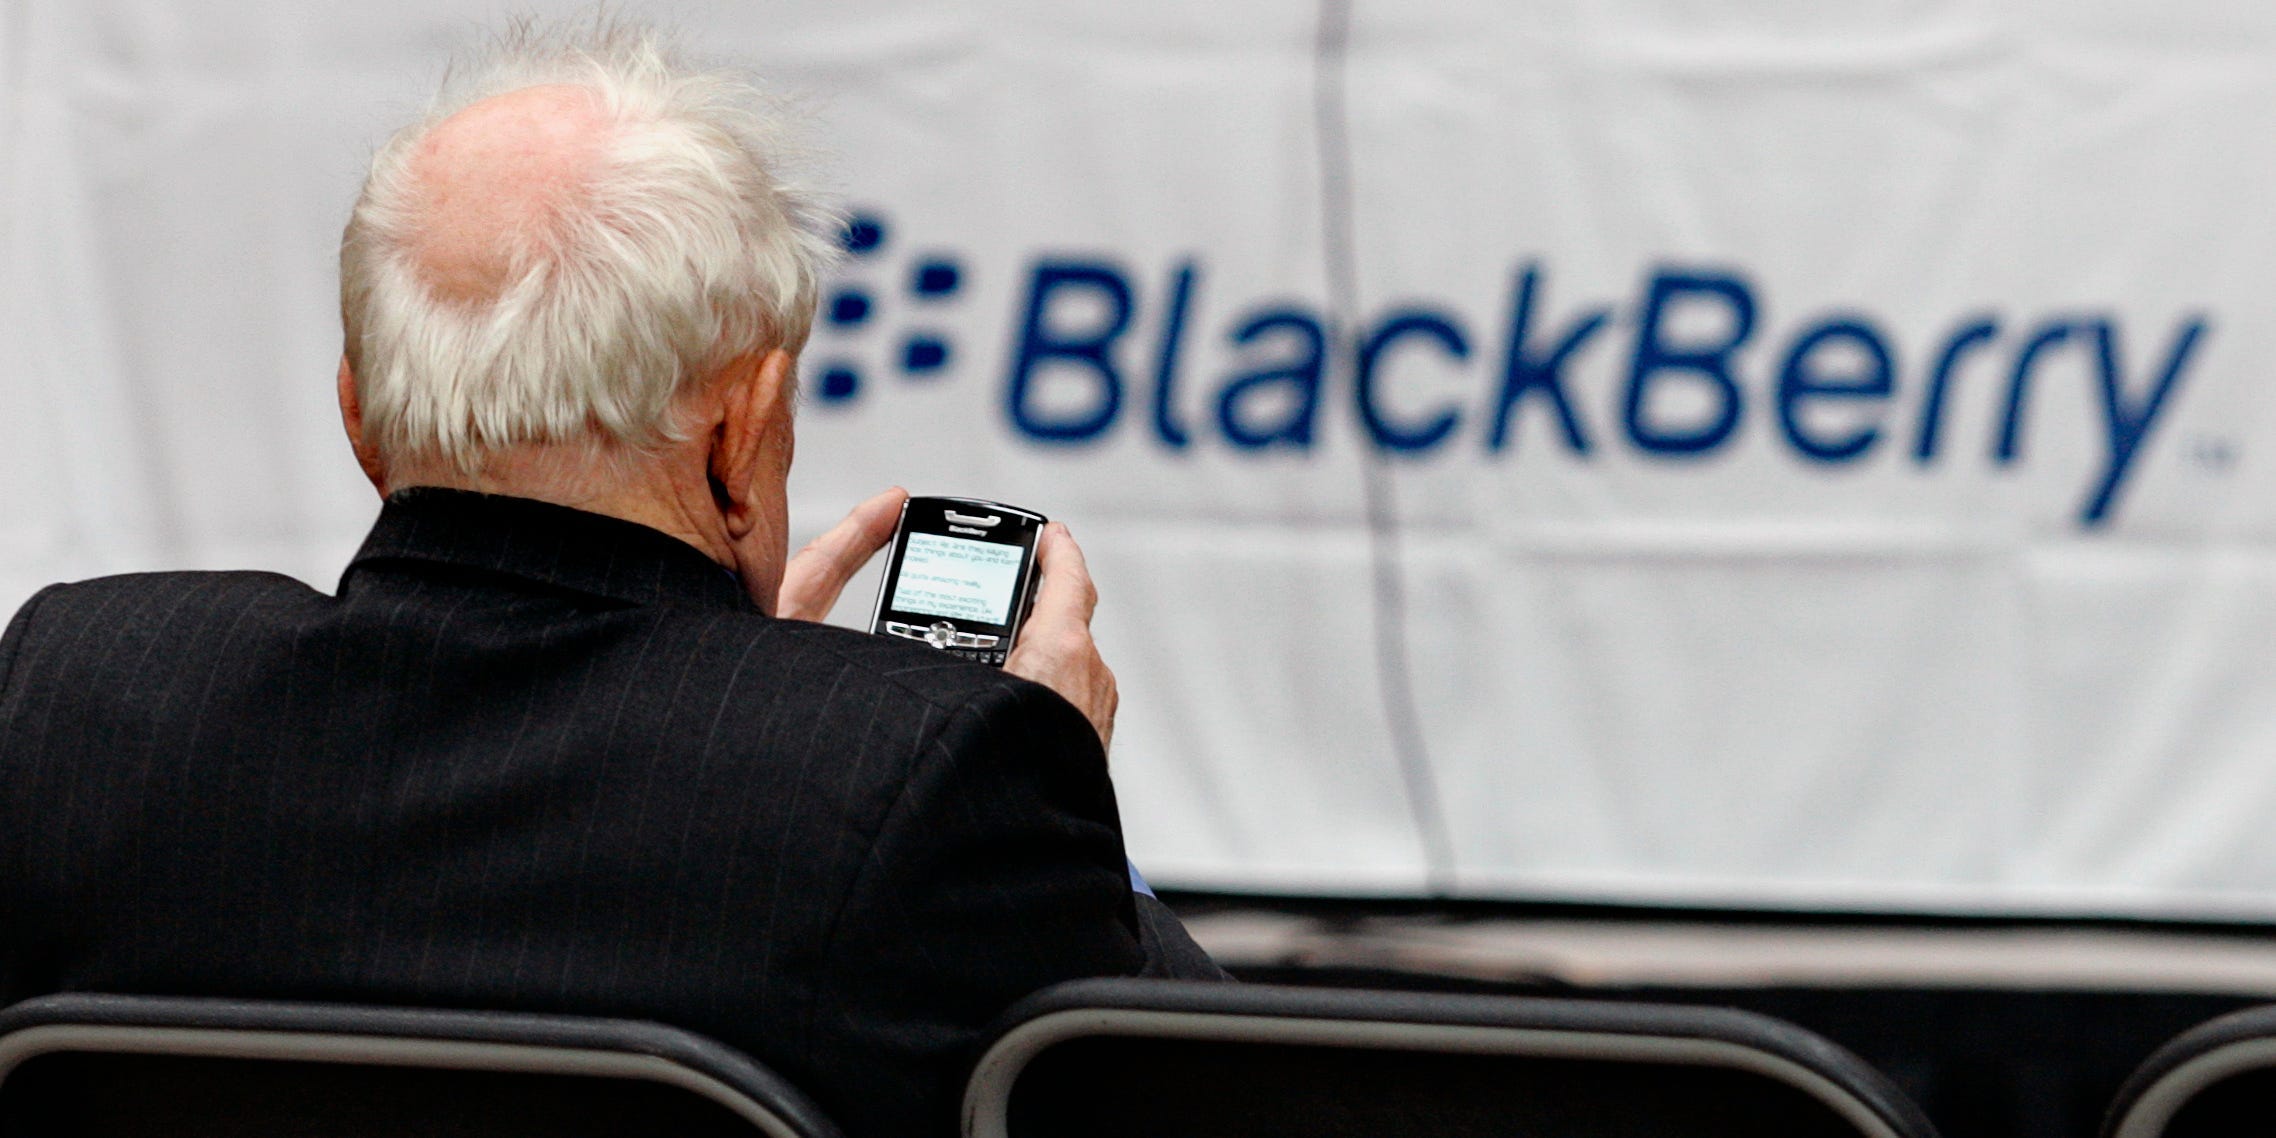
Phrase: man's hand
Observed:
(813, 579)
(1055, 647)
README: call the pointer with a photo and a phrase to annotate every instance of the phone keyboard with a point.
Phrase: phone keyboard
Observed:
(978, 655)
(942, 635)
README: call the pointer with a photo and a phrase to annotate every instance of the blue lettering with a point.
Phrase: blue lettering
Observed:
(1524, 373)
(1800, 380)
(1299, 376)
(1399, 326)
(1084, 351)
(1963, 340)
(1166, 360)
(2010, 443)
(1654, 358)
(1836, 382)
(2130, 424)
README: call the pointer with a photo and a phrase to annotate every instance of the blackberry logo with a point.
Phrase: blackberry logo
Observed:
(1098, 348)
(850, 315)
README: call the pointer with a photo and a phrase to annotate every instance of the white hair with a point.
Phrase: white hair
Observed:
(683, 250)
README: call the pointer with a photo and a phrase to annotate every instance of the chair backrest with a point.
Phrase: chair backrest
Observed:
(106, 1066)
(1172, 1059)
(2218, 1078)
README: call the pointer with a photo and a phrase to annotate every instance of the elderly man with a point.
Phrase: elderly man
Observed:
(565, 739)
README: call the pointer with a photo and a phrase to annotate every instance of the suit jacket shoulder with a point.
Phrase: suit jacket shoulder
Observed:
(529, 759)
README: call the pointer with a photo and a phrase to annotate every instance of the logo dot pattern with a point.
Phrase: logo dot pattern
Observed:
(855, 310)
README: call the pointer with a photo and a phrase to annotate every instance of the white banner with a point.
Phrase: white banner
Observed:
(1754, 453)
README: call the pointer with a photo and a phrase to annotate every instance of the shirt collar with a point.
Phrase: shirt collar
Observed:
(569, 548)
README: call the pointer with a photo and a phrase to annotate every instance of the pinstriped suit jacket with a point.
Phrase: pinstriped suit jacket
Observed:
(540, 759)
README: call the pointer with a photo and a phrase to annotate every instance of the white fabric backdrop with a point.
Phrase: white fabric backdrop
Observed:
(1731, 674)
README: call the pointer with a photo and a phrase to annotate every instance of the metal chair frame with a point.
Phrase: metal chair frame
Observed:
(1494, 1025)
(2189, 1063)
(407, 1037)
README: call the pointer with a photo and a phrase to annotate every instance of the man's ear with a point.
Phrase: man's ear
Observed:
(352, 418)
(751, 440)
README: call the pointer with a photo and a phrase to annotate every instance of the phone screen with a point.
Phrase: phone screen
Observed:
(957, 578)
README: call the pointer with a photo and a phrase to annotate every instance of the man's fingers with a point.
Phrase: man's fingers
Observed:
(813, 579)
(1064, 591)
(1055, 649)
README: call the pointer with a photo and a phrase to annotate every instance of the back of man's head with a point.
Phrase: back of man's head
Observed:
(579, 231)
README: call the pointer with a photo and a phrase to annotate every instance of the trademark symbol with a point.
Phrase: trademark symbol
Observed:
(2212, 455)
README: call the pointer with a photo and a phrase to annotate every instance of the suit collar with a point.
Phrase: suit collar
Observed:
(571, 549)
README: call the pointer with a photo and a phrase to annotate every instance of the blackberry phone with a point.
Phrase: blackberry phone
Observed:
(960, 576)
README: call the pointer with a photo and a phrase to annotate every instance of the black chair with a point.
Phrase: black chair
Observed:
(105, 1066)
(1171, 1059)
(2218, 1078)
